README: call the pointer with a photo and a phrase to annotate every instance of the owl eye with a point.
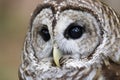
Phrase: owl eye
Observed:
(44, 33)
(74, 31)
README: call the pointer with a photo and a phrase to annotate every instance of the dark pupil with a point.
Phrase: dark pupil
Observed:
(45, 34)
(74, 31)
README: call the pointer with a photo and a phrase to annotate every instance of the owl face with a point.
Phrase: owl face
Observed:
(72, 40)
(67, 28)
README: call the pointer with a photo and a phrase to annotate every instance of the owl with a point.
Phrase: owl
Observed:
(72, 40)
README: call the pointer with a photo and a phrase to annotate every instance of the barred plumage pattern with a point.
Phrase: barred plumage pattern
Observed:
(99, 57)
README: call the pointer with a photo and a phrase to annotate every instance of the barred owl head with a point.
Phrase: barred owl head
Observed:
(72, 39)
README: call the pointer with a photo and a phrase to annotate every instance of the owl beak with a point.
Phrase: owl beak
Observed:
(57, 54)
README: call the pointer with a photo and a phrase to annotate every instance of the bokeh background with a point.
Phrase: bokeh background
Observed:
(14, 20)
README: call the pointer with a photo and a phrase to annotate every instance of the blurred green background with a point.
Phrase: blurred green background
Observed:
(14, 20)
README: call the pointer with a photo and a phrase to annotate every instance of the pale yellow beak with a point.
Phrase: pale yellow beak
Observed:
(57, 54)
